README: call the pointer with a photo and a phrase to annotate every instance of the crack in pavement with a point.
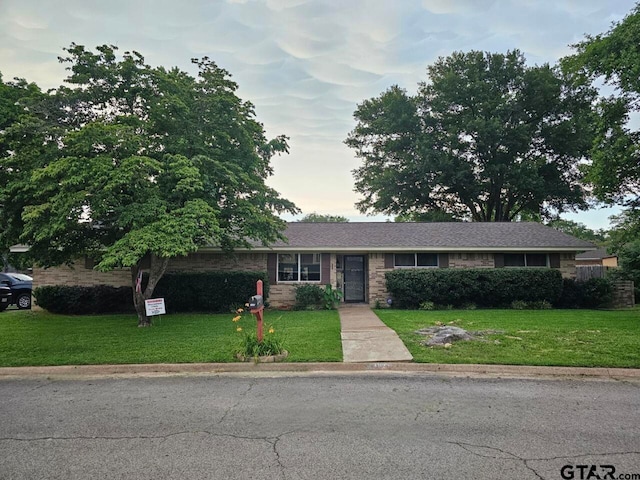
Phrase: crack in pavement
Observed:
(235, 405)
(469, 447)
(142, 437)
(273, 441)
(277, 453)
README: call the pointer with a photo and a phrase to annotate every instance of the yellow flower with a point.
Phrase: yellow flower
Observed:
(271, 330)
(239, 329)
(246, 304)
(240, 310)
(236, 319)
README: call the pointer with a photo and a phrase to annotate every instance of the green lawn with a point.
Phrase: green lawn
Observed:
(41, 338)
(588, 338)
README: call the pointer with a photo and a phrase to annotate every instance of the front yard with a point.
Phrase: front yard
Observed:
(41, 338)
(587, 338)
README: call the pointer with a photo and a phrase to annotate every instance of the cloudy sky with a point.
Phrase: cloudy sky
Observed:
(305, 64)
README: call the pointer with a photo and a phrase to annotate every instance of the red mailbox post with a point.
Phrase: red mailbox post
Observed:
(258, 309)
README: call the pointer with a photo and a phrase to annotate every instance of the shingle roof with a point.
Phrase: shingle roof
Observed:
(598, 254)
(428, 236)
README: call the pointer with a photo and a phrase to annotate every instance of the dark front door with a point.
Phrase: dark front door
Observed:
(354, 278)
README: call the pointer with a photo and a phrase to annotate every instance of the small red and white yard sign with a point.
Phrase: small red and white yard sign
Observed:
(154, 306)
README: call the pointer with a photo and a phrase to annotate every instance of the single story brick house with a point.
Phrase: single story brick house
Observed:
(354, 257)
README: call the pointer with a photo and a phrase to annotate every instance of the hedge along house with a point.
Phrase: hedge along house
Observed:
(354, 257)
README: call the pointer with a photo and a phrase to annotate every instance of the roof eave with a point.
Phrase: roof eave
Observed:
(333, 249)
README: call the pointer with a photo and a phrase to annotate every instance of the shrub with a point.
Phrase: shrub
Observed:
(183, 292)
(208, 291)
(540, 305)
(572, 294)
(331, 297)
(309, 297)
(483, 287)
(592, 293)
(519, 305)
(78, 300)
(598, 293)
(427, 305)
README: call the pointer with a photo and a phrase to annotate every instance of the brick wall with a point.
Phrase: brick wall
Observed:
(376, 280)
(568, 265)
(282, 295)
(197, 262)
(77, 274)
(219, 262)
(471, 260)
(623, 294)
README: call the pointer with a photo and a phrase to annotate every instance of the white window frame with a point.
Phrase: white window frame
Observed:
(298, 255)
(526, 265)
(415, 260)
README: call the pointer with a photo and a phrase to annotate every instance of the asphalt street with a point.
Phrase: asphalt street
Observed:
(356, 426)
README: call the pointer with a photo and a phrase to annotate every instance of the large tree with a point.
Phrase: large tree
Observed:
(614, 57)
(486, 138)
(614, 172)
(133, 165)
(16, 100)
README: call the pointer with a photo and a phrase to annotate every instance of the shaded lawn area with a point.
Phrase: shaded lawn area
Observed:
(42, 338)
(587, 338)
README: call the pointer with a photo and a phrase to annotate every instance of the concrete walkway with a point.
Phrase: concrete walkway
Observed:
(366, 339)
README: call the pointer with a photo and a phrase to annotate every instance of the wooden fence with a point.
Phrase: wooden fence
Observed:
(585, 272)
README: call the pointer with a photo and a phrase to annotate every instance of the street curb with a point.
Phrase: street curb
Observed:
(314, 369)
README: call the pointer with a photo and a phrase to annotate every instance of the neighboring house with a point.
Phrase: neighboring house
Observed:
(598, 257)
(354, 257)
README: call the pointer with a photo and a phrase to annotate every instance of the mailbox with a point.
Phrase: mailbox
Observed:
(256, 302)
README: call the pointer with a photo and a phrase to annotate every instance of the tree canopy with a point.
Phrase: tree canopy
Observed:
(323, 218)
(614, 170)
(133, 165)
(579, 230)
(614, 56)
(16, 99)
(486, 138)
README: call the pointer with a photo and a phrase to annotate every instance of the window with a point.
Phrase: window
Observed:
(426, 259)
(408, 260)
(294, 267)
(526, 260)
(404, 260)
(514, 260)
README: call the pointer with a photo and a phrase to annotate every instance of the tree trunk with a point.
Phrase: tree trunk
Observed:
(156, 271)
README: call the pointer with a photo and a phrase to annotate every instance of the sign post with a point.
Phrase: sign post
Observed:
(257, 309)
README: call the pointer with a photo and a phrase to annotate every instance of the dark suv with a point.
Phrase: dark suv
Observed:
(20, 286)
(5, 297)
